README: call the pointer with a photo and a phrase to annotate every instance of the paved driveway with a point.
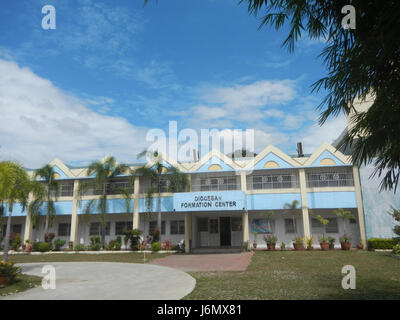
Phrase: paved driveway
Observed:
(108, 280)
(206, 262)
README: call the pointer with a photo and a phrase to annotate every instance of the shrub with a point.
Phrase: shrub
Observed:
(95, 244)
(58, 244)
(80, 247)
(9, 272)
(156, 246)
(48, 237)
(29, 247)
(283, 246)
(298, 240)
(345, 239)
(117, 246)
(118, 240)
(380, 243)
(167, 245)
(44, 246)
(396, 249)
(16, 243)
(133, 236)
(270, 239)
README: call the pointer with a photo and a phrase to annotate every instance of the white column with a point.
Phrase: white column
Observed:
(28, 223)
(188, 228)
(74, 216)
(136, 217)
(245, 214)
(304, 204)
(360, 207)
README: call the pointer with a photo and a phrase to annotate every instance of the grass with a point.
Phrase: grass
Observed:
(104, 257)
(25, 282)
(304, 275)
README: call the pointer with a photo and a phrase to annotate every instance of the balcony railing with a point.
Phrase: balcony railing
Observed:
(338, 177)
(276, 180)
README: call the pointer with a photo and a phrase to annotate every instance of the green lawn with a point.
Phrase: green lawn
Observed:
(24, 283)
(304, 275)
(105, 257)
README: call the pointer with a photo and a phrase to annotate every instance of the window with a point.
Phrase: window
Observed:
(290, 226)
(236, 224)
(202, 225)
(64, 229)
(15, 228)
(217, 183)
(153, 226)
(120, 226)
(332, 226)
(315, 224)
(177, 227)
(66, 189)
(213, 226)
(95, 229)
(335, 177)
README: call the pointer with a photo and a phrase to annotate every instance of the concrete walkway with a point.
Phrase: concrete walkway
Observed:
(109, 281)
(206, 262)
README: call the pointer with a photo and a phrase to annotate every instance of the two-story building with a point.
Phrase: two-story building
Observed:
(226, 202)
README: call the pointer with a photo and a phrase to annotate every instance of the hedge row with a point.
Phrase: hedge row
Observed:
(379, 243)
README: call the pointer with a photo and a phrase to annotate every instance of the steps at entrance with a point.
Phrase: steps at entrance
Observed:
(217, 250)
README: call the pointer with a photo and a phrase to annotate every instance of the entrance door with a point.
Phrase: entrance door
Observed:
(225, 231)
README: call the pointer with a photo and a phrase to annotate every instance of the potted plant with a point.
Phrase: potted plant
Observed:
(271, 241)
(70, 245)
(323, 242)
(331, 243)
(345, 215)
(345, 242)
(360, 246)
(309, 243)
(283, 246)
(255, 233)
(298, 243)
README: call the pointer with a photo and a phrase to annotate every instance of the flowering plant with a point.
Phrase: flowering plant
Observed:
(8, 273)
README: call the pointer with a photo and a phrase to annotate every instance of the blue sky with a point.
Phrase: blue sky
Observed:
(112, 70)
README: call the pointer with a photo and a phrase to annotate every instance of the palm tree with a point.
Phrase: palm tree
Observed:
(176, 182)
(104, 172)
(344, 214)
(47, 175)
(292, 206)
(15, 186)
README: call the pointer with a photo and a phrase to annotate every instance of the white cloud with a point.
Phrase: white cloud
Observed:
(40, 122)
(315, 135)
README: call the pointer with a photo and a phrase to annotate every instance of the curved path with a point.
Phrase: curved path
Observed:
(109, 281)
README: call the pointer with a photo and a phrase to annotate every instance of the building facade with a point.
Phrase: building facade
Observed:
(226, 202)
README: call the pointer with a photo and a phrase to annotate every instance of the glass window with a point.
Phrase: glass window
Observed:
(290, 225)
(177, 227)
(236, 224)
(332, 226)
(202, 225)
(95, 229)
(64, 229)
(213, 226)
(120, 226)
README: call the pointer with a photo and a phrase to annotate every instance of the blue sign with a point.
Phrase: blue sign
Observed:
(209, 201)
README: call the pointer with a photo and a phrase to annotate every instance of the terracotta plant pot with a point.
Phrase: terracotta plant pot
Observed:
(298, 246)
(310, 248)
(271, 247)
(331, 246)
(360, 246)
(324, 246)
(345, 245)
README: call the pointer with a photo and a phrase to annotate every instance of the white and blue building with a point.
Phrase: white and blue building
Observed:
(226, 202)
